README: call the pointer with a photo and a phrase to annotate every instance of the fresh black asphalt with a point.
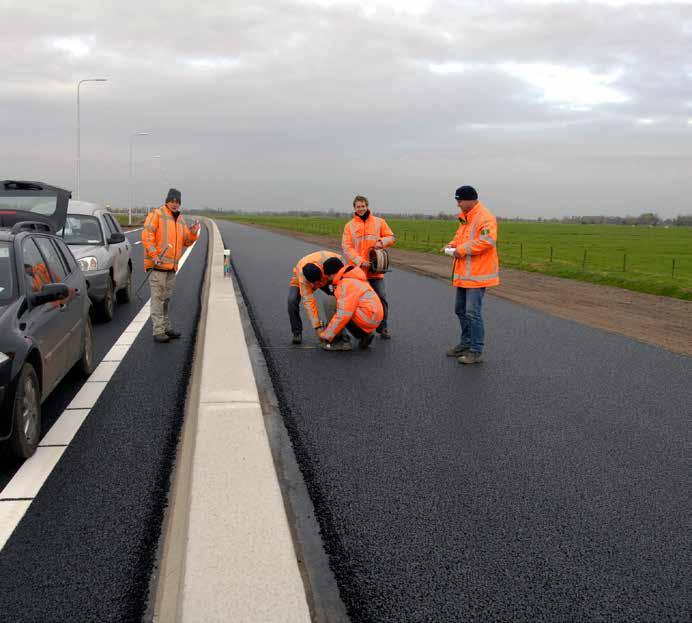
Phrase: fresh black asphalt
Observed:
(548, 484)
(85, 549)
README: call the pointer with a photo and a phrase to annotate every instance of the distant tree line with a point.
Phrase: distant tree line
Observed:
(647, 219)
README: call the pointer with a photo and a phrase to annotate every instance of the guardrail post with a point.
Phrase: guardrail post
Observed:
(672, 272)
(624, 263)
(551, 254)
(583, 262)
(521, 252)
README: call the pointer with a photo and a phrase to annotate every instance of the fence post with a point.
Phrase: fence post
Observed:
(624, 263)
(521, 252)
(583, 262)
(672, 272)
(551, 254)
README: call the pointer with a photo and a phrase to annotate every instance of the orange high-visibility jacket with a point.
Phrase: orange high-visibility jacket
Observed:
(476, 242)
(164, 238)
(360, 236)
(355, 300)
(306, 288)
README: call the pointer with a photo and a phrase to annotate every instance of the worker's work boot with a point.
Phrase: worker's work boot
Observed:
(470, 357)
(174, 335)
(162, 339)
(337, 345)
(385, 334)
(458, 350)
(364, 342)
(297, 338)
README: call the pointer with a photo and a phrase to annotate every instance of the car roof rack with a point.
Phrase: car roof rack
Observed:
(31, 226)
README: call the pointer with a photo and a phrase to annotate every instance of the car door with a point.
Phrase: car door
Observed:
(119, 252)
(77, 284)
(70, 308)
(46, 324)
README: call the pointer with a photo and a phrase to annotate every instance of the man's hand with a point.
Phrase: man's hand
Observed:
(158, 262)
(379, 245)
(365, 265)
(195, 227)
(320, 334)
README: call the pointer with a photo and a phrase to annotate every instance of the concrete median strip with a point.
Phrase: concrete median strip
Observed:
(228, 554)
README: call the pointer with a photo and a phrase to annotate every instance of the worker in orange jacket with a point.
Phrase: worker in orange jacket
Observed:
(308, 277)
(476, 267)
(363, 232)
(164, 237)
(358, 308)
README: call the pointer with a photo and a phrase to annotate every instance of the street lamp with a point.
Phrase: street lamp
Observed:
(79, 140)
(132, 190)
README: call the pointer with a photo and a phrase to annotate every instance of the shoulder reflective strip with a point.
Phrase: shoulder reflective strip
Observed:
(487, 239)
(164, 216)
(466, 248)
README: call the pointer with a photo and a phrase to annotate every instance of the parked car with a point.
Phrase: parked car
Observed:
(103, 252)
(45, 328)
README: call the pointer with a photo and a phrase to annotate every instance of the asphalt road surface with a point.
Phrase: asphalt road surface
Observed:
(549, 483)
(85, 549)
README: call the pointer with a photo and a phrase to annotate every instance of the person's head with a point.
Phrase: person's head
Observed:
(466, 197)
(312, 272)
(332, 266)
(173, 200)
(360, 205)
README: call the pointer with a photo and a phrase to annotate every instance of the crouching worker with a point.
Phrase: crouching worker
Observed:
(308, 277)
(358, 308)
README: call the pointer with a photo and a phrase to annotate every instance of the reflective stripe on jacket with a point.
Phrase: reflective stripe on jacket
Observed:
(164, 238)
(355, 300)
(476, 242)
(360, 236)
(307, 289)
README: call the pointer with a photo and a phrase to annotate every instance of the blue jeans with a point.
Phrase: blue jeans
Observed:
(469, 306)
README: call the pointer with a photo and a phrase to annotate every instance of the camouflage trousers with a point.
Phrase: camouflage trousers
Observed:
(161, 285)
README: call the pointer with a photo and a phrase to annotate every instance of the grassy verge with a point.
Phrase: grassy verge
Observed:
(652, 260)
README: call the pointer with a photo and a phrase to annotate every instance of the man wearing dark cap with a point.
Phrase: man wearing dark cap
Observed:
(308, 277)
(164, 237)
(476, 267)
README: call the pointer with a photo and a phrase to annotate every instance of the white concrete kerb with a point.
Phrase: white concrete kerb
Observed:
(240, 563)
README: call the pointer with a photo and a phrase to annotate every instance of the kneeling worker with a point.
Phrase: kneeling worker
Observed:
(358, 308)
(308, 276)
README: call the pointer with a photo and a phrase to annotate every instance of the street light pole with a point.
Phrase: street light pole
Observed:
(132, 190)
(79, 139)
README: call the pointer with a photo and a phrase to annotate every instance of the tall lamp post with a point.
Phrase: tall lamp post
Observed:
(132, 190)
(79, 138)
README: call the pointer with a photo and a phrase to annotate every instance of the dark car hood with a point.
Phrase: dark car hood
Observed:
(53, 200)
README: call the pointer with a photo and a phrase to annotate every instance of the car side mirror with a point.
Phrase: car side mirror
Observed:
(116, 238)
(49, 293)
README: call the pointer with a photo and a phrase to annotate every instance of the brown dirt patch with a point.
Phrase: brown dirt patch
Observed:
(657, 320)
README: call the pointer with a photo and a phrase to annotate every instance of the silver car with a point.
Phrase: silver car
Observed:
(103, 253)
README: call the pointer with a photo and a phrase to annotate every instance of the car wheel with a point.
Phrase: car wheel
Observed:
(126, 294)
(107, 305)
(86, 362)
(26, 414)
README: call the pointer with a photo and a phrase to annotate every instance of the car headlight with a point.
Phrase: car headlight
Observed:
(88, 263)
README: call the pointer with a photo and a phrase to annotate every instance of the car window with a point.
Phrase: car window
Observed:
(8, 292)
(115, 227)
(36, 272)
(80, 229)
(50, 254)
(67, 255)
(109, 225)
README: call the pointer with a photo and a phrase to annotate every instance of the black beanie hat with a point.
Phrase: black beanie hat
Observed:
(466, 193)
(312, 272)
(332, 266)
(174, 195)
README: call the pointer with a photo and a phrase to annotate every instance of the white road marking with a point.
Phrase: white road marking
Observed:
(132, 231)
(138, 242)
(17, 496)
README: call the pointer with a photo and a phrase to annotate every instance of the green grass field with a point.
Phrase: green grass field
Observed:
(645, 259)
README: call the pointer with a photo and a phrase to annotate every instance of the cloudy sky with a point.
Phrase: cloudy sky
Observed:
(548, 107)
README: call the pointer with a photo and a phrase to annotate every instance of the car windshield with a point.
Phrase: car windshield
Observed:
(8, 291)
(81, 229)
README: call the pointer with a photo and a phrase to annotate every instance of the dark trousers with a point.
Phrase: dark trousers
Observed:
(355, 330)
(294, 299)
(378, 286)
